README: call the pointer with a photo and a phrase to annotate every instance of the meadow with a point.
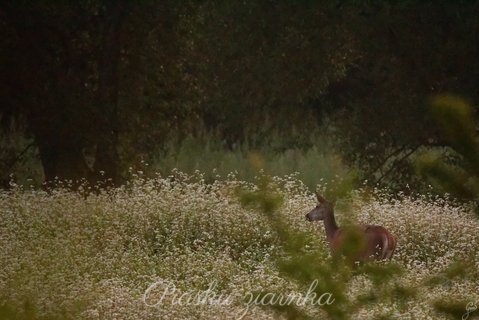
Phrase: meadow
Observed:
(93, 255)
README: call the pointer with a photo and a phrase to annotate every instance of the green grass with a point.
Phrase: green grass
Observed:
(315, 162)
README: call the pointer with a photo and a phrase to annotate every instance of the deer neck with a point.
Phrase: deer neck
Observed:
(330, 225)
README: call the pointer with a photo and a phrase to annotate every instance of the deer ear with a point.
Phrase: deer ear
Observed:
(320, 199)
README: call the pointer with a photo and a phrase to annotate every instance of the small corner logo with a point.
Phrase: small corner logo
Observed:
(470, 308)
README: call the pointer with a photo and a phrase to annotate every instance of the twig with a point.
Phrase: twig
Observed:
(397, 162)
(392, 154)
(18, 157)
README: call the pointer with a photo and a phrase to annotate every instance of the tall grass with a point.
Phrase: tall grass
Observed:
(313, 158)
(69, 256)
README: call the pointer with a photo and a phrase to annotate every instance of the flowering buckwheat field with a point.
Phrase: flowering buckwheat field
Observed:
(149, 249)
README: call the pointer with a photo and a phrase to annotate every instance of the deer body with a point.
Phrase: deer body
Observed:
(374, 242)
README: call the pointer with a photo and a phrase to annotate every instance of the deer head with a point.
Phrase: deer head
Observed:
(323, 208)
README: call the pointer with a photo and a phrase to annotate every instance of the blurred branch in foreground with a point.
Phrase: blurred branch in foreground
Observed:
(455, 116)
(331, 275)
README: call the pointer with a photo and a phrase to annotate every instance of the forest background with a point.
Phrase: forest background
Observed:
(333, 90)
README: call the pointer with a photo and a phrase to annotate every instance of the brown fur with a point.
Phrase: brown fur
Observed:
(376, 242)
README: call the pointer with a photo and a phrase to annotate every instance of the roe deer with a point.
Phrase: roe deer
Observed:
(376, 241)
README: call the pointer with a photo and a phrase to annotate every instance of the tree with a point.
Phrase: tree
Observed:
(409, 50)
(257, 64)
(65, 69)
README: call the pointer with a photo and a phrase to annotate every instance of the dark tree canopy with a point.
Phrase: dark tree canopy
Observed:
(100, 84)
(66, 68)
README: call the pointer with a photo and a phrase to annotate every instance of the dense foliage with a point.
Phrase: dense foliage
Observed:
(92, 88)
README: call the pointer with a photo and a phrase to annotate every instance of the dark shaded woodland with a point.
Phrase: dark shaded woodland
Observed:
(95, 87)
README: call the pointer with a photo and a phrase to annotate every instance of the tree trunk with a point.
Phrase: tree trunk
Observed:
(107, 160)
(63, 161)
